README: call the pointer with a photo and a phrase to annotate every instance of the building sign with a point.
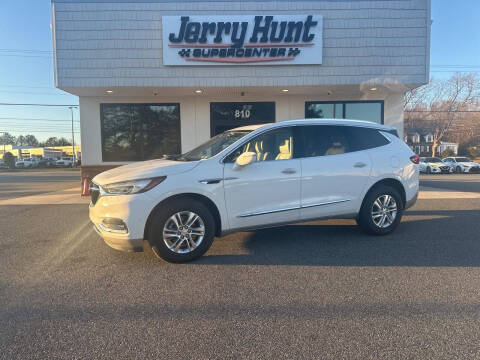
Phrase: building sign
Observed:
(244, 40)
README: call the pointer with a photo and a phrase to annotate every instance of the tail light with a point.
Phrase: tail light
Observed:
(415, 159)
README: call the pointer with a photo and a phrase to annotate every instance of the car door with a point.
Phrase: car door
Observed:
(266, 191)
(335, 171)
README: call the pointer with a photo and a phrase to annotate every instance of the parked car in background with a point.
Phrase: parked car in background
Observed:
(64, 162)
(47, 162)
(27, 163)
(461, 164)
(254, 177)
(434, 165)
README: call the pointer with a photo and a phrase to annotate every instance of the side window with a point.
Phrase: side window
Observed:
(273, 145)
(320, 140)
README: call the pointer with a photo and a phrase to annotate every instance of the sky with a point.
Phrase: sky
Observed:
(26, 63)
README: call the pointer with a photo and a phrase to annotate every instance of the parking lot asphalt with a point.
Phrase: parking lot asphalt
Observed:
(321, 290)
(37, 181)
(456, 182)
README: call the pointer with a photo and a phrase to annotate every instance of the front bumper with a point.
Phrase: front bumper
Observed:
(133, 210)
(440, 170)
(472, 170)
(122, 243)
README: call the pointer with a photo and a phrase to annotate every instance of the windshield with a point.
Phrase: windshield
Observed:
(433, 160)
(462, 159)
(213, 146)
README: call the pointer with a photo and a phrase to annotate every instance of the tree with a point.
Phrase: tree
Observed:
(9, 160)
(473, 152)
(54, 141)
(21, 140)
(7, 139)
(31, 140)
(51, 141)
(63, 142)
(438, 105)
(448, 152)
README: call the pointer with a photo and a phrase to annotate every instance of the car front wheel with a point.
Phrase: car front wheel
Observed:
(181, 231)
(381, 211)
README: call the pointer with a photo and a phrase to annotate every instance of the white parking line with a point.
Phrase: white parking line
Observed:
(430, 195)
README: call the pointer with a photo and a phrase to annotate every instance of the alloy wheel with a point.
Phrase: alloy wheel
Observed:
(384, 211)
(183, 232)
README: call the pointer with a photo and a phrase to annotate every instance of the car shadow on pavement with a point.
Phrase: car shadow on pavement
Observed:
(424, 238)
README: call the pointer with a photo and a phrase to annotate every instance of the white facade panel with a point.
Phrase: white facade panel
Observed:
(195, 115)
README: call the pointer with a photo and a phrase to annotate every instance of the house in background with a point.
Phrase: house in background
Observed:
(421, 143)
(447, 145)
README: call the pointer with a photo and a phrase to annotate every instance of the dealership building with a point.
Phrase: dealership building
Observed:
(160, 77)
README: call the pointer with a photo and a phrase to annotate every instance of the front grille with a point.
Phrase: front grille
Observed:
(94, 193)
(445, 168)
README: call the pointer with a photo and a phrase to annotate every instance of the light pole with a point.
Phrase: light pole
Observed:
(4, 143)
(73, 138)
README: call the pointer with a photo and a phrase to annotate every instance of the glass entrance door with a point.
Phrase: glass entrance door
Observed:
(229, 115)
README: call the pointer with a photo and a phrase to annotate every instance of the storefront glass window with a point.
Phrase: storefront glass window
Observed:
(325, 110)
(229, 115)
(133, 132)
(356, 110)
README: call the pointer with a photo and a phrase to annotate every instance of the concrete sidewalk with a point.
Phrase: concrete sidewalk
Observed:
(68, 197)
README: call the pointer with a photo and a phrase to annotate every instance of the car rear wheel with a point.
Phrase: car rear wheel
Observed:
(181, 231)
(381, 211)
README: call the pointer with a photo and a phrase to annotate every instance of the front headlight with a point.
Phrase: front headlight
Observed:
(132, 186)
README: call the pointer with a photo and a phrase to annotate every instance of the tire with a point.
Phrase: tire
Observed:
(164, 229)
(365, 218)
(458, 169)
(429, 170)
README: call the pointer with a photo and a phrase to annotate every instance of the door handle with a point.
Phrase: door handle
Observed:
(359, 165)
(289, 171)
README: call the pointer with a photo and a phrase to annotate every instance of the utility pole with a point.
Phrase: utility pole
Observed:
(73, 138)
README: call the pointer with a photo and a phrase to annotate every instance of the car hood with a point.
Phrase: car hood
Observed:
(144, 170)
(436, 164)
(469, 163)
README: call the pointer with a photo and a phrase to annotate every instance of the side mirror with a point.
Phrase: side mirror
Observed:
(246, 158)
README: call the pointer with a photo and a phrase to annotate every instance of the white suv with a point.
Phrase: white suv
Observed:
(253, 177)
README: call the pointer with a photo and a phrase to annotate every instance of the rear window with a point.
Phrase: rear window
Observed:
(365, 138)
